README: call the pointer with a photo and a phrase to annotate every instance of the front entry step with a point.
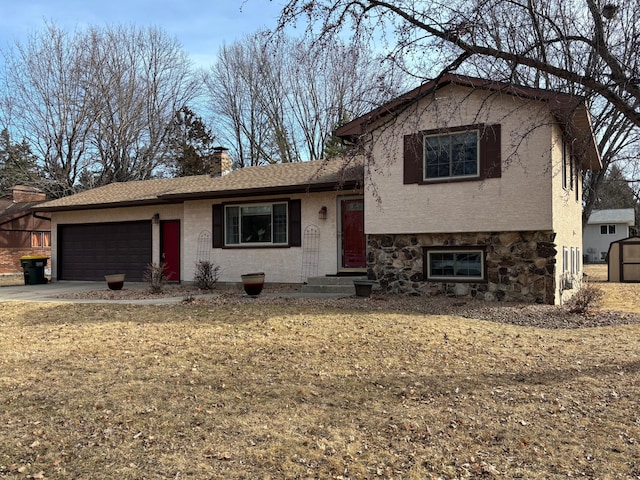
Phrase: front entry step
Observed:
(333, 284)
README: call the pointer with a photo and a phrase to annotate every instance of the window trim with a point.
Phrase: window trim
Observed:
(450, 134)
(240, 207)
(489, 154)
(565, 159)
(426, 263)
(293, 224)
(43, 238)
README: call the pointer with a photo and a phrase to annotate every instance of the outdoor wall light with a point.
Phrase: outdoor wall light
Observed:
(156, 218)
(322, 213)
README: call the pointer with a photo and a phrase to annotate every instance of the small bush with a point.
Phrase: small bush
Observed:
(586, 298)
(207, 274)
(155, 276)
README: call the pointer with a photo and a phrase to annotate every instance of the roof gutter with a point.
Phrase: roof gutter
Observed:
(173, 198)
(97, 206)
(257, 192)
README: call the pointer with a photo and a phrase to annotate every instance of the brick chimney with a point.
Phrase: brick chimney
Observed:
(221, 163)
(23, 194)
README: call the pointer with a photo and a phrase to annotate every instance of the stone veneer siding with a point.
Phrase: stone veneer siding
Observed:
(520, 266)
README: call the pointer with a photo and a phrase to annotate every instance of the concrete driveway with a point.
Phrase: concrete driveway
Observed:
(49, 292)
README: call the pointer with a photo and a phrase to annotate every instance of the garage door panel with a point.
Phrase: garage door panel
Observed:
(91, 251)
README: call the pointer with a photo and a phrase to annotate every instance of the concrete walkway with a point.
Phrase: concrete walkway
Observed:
(50, 292)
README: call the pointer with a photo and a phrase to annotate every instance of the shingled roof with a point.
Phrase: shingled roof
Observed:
(20, 202)
(613, 215)
(319, 175)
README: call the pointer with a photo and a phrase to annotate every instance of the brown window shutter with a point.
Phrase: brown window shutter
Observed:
(490, 151)
(218, 226)
(413, 158)
(295, 223)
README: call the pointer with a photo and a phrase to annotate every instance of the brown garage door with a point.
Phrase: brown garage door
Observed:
(91, 251)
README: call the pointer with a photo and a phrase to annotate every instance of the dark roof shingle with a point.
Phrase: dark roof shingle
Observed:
(268, 179)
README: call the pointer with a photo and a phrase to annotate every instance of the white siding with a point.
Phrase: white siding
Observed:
(595, 243)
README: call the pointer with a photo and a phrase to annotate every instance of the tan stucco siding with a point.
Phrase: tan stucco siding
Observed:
(519, 200)
(281, 265)
(567, 222)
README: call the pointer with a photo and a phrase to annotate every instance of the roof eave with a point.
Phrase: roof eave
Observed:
(97, 206)
(581, 129)
(173, 198)
(262, 191)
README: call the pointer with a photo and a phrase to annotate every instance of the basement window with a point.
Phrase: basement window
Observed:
(463, 264)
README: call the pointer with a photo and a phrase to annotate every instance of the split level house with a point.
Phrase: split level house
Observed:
(22, 231)
(461, 187)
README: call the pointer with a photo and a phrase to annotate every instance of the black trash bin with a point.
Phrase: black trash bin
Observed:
(33, 268)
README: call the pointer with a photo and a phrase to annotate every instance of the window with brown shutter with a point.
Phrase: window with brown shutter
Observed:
(464, 153)
(257, 225)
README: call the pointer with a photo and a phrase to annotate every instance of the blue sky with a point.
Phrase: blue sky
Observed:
(201, 26)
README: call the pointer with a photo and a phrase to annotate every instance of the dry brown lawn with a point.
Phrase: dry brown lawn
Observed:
(306, 390)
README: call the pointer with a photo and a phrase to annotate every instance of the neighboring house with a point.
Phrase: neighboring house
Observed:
(477, 190)
(290, 221)
(603, 228)
(22, 232)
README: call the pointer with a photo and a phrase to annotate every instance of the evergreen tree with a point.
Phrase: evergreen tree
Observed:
(334, 146)
(190, 144)
(17, 163)
(615, 191)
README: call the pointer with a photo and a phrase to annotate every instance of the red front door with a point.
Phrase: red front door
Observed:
(353, 238)
(170, 248)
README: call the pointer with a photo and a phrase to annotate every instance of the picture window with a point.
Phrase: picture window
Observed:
(253, 224)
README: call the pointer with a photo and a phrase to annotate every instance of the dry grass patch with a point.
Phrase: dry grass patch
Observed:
(623, 297)
(309, 391)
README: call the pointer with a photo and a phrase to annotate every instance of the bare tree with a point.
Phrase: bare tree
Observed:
(234, 85)
(534, 34)
(95, 105)
(584, 47)
(140, 78)
(45, 83)
(618, 137)
(277, 99)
